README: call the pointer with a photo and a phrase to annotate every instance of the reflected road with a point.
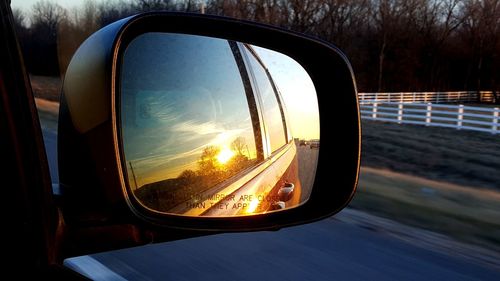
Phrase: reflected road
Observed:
(307, 169)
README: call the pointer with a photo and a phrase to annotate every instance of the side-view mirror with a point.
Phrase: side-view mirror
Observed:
(206, 129)
(200, 123)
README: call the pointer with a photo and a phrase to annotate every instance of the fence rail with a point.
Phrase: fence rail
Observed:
(425, 97)
(450, 116)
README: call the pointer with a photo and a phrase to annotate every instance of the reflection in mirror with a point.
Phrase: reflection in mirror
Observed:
(206, 126)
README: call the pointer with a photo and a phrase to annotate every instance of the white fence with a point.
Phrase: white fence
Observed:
(425, 97)
(451, 116)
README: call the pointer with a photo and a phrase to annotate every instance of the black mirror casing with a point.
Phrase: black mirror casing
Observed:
(94, 192)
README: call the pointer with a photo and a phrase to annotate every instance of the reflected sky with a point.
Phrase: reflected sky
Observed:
(270, 108)
(297, 90)
(183, 93)
(191, 97)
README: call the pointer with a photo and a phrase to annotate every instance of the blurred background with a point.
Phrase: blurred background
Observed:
(428, 76)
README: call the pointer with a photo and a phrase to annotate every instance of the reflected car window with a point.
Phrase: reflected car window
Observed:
(186, 121)
(273, 116)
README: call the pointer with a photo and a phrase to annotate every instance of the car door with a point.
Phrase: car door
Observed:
(91, 222)
(30, 220)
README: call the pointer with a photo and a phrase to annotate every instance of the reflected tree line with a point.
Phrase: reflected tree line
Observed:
(190, 184)
(394, 45)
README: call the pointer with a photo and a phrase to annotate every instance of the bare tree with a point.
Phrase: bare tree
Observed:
(19, 18)
(84, 21)
(436, 22)
(384, 20)
(392, 22)
(111, 11)
(47, 16)
(88, 18)
(481, 32)
(208, 161)
(149, 5)
(238, 145)
(394, 45)
(344, 22)
(303, 15)
(244, 9)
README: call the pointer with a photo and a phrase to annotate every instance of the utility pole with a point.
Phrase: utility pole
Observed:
(133, 174)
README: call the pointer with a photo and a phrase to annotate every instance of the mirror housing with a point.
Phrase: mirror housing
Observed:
(92, 183)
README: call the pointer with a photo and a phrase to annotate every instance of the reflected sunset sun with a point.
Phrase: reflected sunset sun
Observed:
(225, 155)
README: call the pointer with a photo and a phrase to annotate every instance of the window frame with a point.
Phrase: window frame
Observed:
(253, 106)
(247, 50)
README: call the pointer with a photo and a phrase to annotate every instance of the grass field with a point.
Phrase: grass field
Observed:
(465, 213)
(456, 156)
(438, 179)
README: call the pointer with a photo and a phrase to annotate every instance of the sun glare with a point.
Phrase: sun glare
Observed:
(252, 206)
(225, 155)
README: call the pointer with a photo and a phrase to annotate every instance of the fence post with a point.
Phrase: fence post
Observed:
(376, 97)
(374, 110)
(428, 114)
(400, 112)
(494, 128)
(425, 97)
(460, 116)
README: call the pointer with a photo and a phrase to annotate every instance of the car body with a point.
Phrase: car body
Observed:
(314, 144)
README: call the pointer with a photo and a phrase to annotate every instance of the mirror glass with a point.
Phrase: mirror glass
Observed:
(211, 127)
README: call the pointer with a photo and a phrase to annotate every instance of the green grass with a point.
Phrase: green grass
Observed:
(456, 156)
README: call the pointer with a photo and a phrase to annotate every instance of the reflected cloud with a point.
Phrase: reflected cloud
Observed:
(197, 128)
(159, 165)
(188, 127)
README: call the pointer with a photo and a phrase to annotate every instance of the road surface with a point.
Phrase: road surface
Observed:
(331, 249)
(308, 160)
(50, 140)
(327, 250)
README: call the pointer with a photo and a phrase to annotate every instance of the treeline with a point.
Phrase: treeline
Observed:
(393, 45)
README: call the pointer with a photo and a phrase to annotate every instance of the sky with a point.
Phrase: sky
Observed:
(297, 90)
(26, 5)
(299, 94)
